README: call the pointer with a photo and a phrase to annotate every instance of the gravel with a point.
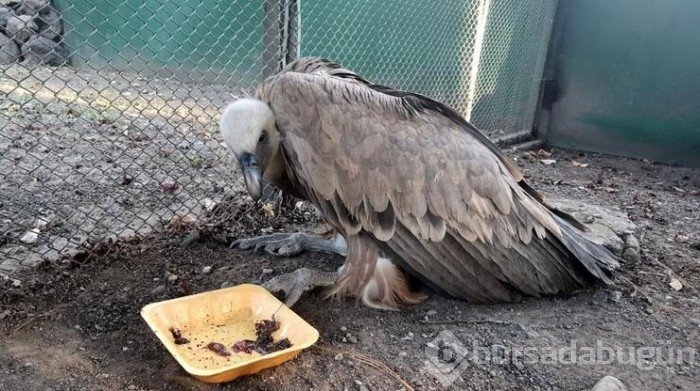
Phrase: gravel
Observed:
(118, 159)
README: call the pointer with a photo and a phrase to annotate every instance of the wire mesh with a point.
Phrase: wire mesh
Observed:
(109, 109)
(482, 57)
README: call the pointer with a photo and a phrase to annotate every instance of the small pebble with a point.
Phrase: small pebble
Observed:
(352, 339)
(226, 284)
(158, 290)
(169, 185)
(431, 313)
(532, 334)
(170, 277)
(609, 383)
(267, 271)
(403, 354)
(338, 356)
(41, 224)
(209, 204)
(30, 237)
(125, 348)
(616, 296)
(519, 365)
(343, 329)
(126, 180)
(206, 270)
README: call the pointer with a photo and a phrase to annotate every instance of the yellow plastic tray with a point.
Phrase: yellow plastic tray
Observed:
(225, 316)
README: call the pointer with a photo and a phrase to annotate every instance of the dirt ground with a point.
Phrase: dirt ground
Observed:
(76, 325)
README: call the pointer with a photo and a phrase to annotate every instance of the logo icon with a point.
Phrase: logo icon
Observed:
(446, 358)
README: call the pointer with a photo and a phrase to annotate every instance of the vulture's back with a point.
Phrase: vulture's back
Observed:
(426, 187)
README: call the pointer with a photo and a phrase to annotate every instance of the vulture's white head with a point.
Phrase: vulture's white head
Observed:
(248, 128)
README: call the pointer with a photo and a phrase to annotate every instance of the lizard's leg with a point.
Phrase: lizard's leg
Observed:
(299, 281)
(289, 244)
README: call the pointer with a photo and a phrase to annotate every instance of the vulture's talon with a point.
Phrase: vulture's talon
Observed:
(294, 284)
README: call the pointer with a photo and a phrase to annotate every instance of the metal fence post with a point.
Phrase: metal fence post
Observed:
(272, 38)
(290, 33)
(280, 40)
(482, 14)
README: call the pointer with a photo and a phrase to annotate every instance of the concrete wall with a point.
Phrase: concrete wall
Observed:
(627, 79)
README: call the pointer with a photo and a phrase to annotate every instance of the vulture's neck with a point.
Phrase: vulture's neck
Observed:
(289, 182)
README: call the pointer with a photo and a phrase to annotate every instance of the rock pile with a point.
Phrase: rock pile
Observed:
(31, 33)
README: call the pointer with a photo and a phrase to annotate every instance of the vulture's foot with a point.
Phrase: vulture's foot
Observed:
(298, 282)
(290, 244)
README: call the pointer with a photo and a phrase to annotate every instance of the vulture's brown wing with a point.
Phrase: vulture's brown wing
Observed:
(436, 199)
(319, 66)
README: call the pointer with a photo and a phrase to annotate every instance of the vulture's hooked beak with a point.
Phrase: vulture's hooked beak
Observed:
(251, 174)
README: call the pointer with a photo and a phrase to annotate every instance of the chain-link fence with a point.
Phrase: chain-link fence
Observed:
(109, 109)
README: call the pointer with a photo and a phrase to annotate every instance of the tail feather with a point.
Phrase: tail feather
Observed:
(388, 288)
(539, 197)
(596, 259)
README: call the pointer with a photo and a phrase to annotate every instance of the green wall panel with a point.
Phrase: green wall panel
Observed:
(628, 75)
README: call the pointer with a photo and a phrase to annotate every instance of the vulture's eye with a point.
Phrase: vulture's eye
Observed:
(263, 138)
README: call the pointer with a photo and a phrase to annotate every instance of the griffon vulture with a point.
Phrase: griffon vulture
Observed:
(409, 186)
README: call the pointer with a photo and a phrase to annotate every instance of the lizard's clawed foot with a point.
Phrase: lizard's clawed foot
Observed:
(294, 284)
